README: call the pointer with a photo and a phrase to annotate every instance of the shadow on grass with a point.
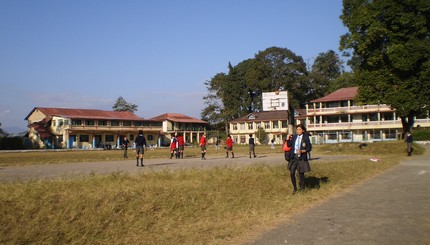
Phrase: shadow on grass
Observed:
(314, 182)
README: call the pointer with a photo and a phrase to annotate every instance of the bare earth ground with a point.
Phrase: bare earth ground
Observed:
(17, 173)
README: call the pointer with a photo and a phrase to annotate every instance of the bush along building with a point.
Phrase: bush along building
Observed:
(88, 128)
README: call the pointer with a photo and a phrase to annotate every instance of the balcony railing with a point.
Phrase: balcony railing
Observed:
(354, 124)
(351, 109)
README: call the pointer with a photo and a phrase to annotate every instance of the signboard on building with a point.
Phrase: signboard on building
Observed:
(275, 101)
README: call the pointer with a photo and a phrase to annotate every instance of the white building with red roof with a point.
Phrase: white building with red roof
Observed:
(88, 128)
(337, 117)
(175, 123)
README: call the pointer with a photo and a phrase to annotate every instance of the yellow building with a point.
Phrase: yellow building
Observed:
(87, 128)
(174, 123)
(338, 118)
(274, 123)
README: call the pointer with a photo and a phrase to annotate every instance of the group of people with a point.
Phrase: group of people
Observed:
(177, 146)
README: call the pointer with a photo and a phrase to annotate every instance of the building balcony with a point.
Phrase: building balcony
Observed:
(355, 125)
(349, 110)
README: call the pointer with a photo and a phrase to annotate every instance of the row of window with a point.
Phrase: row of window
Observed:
(258, 125)
(385, 116)
(114, 123)
(109, 138)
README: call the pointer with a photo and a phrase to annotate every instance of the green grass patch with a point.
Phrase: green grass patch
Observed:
(188, 206)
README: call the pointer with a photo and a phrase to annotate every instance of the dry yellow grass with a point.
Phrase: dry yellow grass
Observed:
(211, 206)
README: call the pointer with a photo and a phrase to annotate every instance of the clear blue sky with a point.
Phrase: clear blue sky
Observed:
(156, 54)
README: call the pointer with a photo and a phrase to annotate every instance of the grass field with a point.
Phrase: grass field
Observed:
(190, 206)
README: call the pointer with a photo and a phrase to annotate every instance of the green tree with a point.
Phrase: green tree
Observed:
(346, 79)
(239, 92)
(122, 105)
(325, 70)
(2, 132)
(390, 40)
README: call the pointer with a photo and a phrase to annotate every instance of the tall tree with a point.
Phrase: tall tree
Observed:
(325, 70)
(391, 41)
(239, 92)
(122, 105)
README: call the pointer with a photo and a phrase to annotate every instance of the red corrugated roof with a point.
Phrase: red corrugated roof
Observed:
(87, 114)
(340, 94)
(175, 117)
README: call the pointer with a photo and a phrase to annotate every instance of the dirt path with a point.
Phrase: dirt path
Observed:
(18, 173)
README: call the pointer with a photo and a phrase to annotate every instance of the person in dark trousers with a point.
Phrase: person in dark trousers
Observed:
(181, 146)
(409, 141)
(125, 143)
(140, 150)
(173, 146)
(251, 142)
(300, 146)
(229, 146)
(203, 146)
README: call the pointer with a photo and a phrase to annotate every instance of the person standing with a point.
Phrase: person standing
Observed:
(251, 142)
(229, 146)
(181, 146)
(125, 143)
(300, 146)
(203, 146)
(286, 147)
(173, 146)
(140, 144)
(409, 139)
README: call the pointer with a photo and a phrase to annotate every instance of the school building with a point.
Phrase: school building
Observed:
(337, 117)
(88, 128)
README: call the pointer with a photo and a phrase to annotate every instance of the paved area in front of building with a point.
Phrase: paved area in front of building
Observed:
(391, 208)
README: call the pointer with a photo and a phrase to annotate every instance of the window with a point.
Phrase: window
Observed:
(54, 122)
(242, 126)
(344, 103)
(102, 123)
(275, 124)
(364, 117)
(60, 123)
(76, 122)
(126, 123)
(150, 137)
(332, 104)
(89, 122)
(250, 126)
(138, 124)
(109, 138)
(284, 124)
(373, 117)
(242, 139)
(114, 123)
(388, 116)
(266, 125)
(131, 136)
(235, 126)
(344, 118)
(66, 122)
(332, 119)
(84, 138)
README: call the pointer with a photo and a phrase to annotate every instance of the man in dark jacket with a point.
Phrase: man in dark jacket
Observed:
(409, 141)
(140, 150)
(300, 146)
